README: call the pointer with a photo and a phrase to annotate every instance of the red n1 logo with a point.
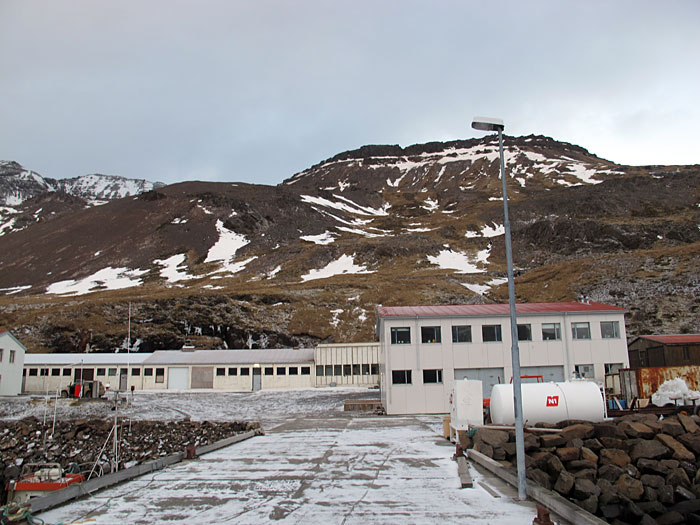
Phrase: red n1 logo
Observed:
(552, 401)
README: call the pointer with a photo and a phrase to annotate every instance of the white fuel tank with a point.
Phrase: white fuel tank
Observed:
(548, 402)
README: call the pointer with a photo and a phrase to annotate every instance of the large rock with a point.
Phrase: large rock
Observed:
(610, 473)
(652, 480)
(588, 455)
(634, 429)
(540, 477)
(580, 431)
(649, 449)
(608, 430)
(585, 488)
(554, 466)
(672, 427)
(564, 483)
(568, 453)
(590, 504)
(629, 487)
(494, 438)
(678, 476)
(671, 518)
(692, 441)
(665, 495)
(609, 442)
(551, 440)
(531, 442)
(484, 448)
(586, 473)
(679, 451)
(688, 424)
(614, 456)
(652, 466)
(608, 492)
(593, 444)
(653, 508)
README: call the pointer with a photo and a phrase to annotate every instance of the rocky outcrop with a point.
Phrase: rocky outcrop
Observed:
(635, 469)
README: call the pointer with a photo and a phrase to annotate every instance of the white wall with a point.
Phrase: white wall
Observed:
(446, 355)
(10, 372)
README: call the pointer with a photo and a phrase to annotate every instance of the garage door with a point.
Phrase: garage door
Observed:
(202, 377)
(548, 373)
(487, 376)
(178, 378)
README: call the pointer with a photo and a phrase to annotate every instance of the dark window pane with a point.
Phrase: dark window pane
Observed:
(491, 333)
(430, 334)
(462, 334)
(524, 332)
(400, 336)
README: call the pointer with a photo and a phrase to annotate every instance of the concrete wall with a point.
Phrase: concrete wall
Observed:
(350, 364)
(11, 365)
(446, 355)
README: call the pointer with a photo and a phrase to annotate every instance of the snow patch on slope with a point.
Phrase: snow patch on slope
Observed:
(344, 265)
(106, 279)
(172, 271)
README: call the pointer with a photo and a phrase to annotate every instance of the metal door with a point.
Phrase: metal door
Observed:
(487, 376)
(122, 380)
(548, 373)
(178, 378)
(257, 379)
(202, 377)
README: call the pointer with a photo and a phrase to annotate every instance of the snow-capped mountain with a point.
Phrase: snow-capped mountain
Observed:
(309, 259)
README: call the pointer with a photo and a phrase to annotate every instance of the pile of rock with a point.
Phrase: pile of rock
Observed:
(634, 469)
(80, 441)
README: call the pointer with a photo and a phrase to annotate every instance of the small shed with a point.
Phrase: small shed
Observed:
(664, 350)
(11, 364)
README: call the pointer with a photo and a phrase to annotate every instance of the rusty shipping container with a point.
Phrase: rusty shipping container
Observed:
(641, 383)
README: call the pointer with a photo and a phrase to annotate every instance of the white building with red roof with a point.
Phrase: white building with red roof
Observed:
(425, 348)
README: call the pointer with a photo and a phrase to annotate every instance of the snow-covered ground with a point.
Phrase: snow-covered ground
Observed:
(315, 465)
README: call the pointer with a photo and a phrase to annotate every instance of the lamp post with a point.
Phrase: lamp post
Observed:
(494, 124)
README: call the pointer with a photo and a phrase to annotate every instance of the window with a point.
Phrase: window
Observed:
(281, 371)
(32, 372)
(610, 329)
(328, 370)
(401, 377)
(66, 372)
(135, 371)
(401, 336)
(44, 371)
(337, 370)
(113, 372)
(524, 332)
(269, 370)
(12, 356)
(245, 371)
(220, 371)
(429, 334)
(305, 370)
(686, 353)
(160, 375)
(233, 371)
(148, 371)
(612, 368)
(319, 370)
(375, 369)
(101, 371)
(432, 376)
(462, 334)
(24, 372)
(581, 330)
(584, 371)
(551, 332)
(55, 371)
(365, 370)
(1, 352)
(356, 370)
(293, 370)
(491, 333)
(347, 370)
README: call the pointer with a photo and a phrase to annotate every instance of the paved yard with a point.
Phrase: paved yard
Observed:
(324, 470)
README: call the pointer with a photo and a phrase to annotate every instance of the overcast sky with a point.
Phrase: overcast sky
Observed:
(256, 90)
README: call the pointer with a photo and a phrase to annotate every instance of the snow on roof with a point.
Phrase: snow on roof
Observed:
(86, 359)
(492, 309)
(231, 357)
(674, 339)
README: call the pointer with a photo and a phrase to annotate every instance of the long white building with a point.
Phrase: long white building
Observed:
(235, 370)
(425, 348)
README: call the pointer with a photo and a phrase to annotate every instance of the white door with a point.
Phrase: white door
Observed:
(178, 378)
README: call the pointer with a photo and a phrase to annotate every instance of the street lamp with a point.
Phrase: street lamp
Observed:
(495, 124)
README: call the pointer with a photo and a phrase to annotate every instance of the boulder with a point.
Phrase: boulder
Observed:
(554, 466)
(650, 494)
(587, 473)
(609, 442)
(636, 430)
(649, 449)
(614, 456)
(629, 487)
(689, 425)
(679, 451)
(588, 455)
(484, 448)
(692, 441)
(593, 444)
(568, 453)
(676, 477)
(653, 508)
(683, 494)
(665, 495)
(652, 466)
(509, 448)
(671, 518)
(610, 511)
(494, 438)
(652, 480)
(499, 454)
(531, 442)
(564, 483)
(608, 430)
(579, 430)
(672, 427)
(551, 440)
(579, 464)
(610, 473)
(585, 488)
(608, 492)
(590, 504)
(540, 477)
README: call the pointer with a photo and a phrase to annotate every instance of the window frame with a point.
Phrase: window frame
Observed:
(557, 331)
(525, 326)
(281, 371)
(293, 371)
(398, 374)
(395, 332)
(575, 327)
(269, 371)
(12, 356)
(135, 372)
(233, 371)
(245, 371)
(456, 331)
(148, 372)
(430, 335)
(220, 371)
(498, 333)
(615, 325)
(428, 378)
(305, 371)
(160, 375)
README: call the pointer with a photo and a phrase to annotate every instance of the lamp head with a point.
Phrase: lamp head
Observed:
(488, 124)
